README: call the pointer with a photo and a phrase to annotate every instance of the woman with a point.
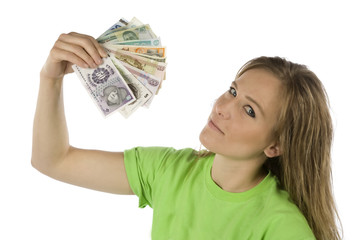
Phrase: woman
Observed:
(267, 173)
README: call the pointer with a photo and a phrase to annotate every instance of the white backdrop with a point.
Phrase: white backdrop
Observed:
(207, 42)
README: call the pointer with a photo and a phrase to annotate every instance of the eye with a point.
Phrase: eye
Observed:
(250, 111)
(232, 91)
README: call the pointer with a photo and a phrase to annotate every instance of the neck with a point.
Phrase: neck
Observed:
(234, 175)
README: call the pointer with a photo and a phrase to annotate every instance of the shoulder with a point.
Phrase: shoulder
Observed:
(146, 166)
(156, 153)
(287, 225)
(159, 157)
(282, 218)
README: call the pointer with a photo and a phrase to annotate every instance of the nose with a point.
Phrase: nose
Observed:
(222, 108)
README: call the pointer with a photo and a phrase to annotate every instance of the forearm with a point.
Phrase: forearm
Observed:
(51, 152)
(50, 134)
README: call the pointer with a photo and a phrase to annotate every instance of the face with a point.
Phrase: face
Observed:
(129, 36)
(113, 97)
(242, 119)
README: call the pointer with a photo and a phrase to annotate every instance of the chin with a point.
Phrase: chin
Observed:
(207, 141)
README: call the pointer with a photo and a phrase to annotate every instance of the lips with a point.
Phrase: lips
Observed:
(213, 126)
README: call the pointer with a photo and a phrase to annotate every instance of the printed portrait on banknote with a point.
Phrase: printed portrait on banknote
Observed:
(130, 35)
(115, 95)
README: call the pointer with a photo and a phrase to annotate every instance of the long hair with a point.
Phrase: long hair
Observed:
(304, 133)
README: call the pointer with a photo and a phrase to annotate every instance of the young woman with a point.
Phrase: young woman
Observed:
(266, 174)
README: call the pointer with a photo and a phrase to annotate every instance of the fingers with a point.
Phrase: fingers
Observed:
(68, 56)
(99, 48)
(79, 49)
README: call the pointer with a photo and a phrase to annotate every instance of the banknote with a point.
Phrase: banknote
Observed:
(150, 66)
(145, 42)
(132, 73)
(137, 33)
(149, 81)
(118, 25)
(149, 52)
(141, 93)
(141, 50)
(134, 23)
(121, 25)
(155, 58)
(106, 86)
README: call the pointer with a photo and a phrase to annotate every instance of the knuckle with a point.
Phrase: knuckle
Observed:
(86, 58)
(62, 36)
(78, 49)
(86, 42)
(87, 36)
(54, 51)
(54, 48)
(90, 48)
(91, 38)
(67, 54)
(57, 43)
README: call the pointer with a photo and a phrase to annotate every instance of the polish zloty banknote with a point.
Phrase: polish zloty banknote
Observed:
(141, 93)
(106, 86)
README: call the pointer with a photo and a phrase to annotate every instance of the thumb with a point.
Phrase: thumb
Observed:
(69, 68)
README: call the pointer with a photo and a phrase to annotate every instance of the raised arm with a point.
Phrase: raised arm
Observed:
(51, 151)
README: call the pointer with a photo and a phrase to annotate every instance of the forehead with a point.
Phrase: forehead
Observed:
(262, 86)
(259, 76)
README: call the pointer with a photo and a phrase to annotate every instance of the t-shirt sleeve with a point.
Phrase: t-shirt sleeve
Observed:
(143, 165)
(289, 227)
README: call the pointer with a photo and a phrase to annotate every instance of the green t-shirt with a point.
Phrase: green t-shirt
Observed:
(188, 205)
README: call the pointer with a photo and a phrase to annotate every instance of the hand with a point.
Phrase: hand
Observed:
(69, 49)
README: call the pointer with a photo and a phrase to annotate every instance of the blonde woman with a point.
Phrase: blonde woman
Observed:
(266, 173)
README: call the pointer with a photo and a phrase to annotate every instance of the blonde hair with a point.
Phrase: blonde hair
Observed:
(304, 132)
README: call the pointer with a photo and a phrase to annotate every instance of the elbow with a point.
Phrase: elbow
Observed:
(47, 161)
(38, 164)
(34, 160)
(45, 167)
(38, 158)
(43, 164)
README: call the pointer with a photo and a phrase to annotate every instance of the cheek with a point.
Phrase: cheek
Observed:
(252, 138)
(206, 138)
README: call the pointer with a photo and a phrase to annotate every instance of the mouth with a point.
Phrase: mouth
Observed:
(213, 126)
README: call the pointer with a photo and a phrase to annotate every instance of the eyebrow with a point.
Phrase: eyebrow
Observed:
(251, 99)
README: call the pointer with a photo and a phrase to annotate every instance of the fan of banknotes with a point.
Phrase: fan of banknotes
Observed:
(132, 73)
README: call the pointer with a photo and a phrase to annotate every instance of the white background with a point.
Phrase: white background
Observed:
(207, 42)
